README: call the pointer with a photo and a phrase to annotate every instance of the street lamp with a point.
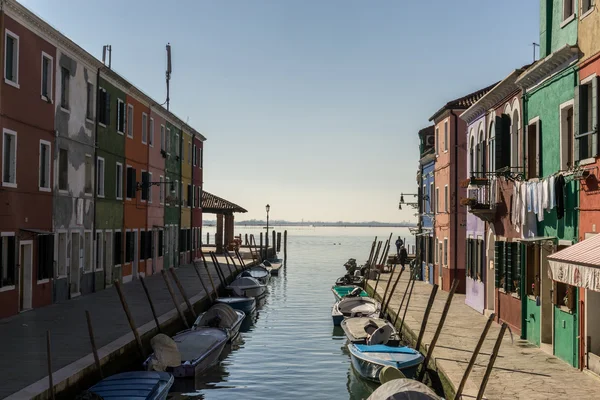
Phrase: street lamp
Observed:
(268, 208)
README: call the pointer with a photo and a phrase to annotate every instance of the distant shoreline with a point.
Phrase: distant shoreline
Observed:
(321, 225)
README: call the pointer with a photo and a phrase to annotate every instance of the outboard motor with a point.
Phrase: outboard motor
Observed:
(267, 263)
(355, 292)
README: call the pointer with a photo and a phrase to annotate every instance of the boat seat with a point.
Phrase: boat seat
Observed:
(380, 336)
(371, 327)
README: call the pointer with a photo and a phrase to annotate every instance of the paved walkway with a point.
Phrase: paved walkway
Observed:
(521, 371)
(23, 337)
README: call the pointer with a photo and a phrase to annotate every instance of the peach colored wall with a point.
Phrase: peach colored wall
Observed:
(156, 211)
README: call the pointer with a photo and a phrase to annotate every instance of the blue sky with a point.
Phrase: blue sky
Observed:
(311, 106)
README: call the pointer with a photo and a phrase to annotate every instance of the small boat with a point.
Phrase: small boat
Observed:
(148, 385)
(355, 307)
(221, 315)
(358, 329)
(349, 280)
(369, 359)
(403, 389)
(273, 265)
(189, 352)
(346, 291)
(245, 304)
(258, 272)
(246, 286)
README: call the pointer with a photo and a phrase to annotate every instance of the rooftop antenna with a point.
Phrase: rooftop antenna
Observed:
(106, 48)
(168, 73)
(534, 46)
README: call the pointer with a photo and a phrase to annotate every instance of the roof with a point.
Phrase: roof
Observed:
(548, 66)
(464, 102)
(586, 252)
(494, 96)
(217, 205)
(427, 131)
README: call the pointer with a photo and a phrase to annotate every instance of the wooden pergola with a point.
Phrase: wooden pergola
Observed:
(224, 210)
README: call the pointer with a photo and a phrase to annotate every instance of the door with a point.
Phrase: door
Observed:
(136, 254)
(490, 274)
(108, 259)
(74, 264)
(26, 275)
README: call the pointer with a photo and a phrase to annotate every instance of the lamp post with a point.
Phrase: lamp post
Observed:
(268, 208)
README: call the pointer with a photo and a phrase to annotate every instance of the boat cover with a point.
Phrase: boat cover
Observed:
(195, 344)
(382, 348)
(403, 389)
(131, 385)
(219, 315)
(245, 281)
(351, 306)
(166, 353)
(359, 327)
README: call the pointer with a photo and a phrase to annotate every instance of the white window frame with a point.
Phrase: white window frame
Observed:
(437, 141)
(585, 13)
(127, 166)
(161, 195)
(437, 200)
(144, 128)
(194, 158)
(568, 18)
(445, 254)
(128, 127)
(66, 90)
(193, 196)
(177, 145)
(10, 132)
(91, 157)
(101, 182)
(446, 198)
(141, 198)
(50, 77)
(563, 109)
(49, 166)
(57, 172)
(117, 186)
(189, 153)
(101, 89)
(119, 116)
(151, 133)
(538, 163)
(90, 247)
(92, 100)
(16, 37)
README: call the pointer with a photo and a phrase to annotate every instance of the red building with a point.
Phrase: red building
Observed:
(197, 179)
(26, 148)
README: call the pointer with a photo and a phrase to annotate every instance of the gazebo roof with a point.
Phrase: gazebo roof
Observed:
(216, 205)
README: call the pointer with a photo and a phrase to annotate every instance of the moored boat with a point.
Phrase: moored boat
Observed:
(355, 307)
(258, 272)
(246, 286)
(222, 316)
(343, 291)
(403, 389)
(245, 304)
(273, 265)
(358, 329)
(349, 280)
(148, 385)
(368, 360)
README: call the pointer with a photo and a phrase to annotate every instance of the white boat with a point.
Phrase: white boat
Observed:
(355, 307)
(258, 272)
(246, 286)
(358, 329)
(403, 389)
(273, 265)
(222, 316)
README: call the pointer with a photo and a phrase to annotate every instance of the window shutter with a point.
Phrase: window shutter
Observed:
(577, 122)
(469, 257)
(480, 261)
(538, 136)
(517, 265)
(594, 111)
(505, 141)
(499, 148)
(145, 182)
(508, 267)
(497, 262)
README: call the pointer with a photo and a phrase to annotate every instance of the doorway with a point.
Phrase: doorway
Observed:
(136, 254)
(74, 267)
(26, 275)
(490, 274)
(108, 258)
(547, 289)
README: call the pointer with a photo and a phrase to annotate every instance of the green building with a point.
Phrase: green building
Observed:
(173, 202)
(549, 308)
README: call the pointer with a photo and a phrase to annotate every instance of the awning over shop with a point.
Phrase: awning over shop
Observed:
(538, 239)
(578, 265)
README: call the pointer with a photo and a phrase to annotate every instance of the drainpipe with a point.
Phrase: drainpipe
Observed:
(192, 205)
(524, 119)
(96, 179)
(455, 202)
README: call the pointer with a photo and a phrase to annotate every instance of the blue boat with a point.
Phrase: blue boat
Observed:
(147, 385)
(245, 304)
(369, 360)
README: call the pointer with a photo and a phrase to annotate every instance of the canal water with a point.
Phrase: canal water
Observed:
(290, 349)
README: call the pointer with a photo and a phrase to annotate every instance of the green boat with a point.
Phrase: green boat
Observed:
(341, 291)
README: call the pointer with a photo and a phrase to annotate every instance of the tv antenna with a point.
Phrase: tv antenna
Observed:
(106, 48)
(534, 46)
(168, 73)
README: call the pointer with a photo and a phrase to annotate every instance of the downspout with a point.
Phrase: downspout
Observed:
(160, 188)
(524, 297)
(455, 202)
(192, 248)
(96, 179)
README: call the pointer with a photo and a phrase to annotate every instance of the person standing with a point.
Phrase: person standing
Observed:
(403, 256)
(399, 244)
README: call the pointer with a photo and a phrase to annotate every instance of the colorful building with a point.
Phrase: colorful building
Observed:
(187, 197)
(425, 240)
(197, 182)
(172, 148)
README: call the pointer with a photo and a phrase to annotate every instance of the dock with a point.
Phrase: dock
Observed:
(23, 337)
(521, 371)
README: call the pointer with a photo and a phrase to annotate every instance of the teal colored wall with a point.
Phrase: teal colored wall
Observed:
(565, 336)
(552, 36)
(532, 322)
(545, 103)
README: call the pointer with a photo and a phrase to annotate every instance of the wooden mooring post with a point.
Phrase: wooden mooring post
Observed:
(232, 261)
(285, 244)
(207, 269)
(385, 304)
(93, 343)
(208, 293)
(412, 286)
(175, 302)
(438, 331)
(49, 357)
(278, 242)
(262, 251)
(183, 293)
(207, 237)
(375, 269)
(403, 298)
(493, 357)
(434, 290)
(138, 340)
(240, 259)
(143, 282)
(274, 243)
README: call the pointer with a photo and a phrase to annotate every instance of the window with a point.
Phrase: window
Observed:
(46, 77)
(190, 195)
(89, 109)
(161, 234)
(445, 136)
(189, 153)
(104, 109)
(131, 184)
(446, 251)
(515, 138)
(197, 197)
(63, 169)
(181, 194)
(586, 5)
(130, 121)
(177, 144)
(120, 116)
(65, 79)
(431, 199)
(129, 250)
(88, 174)
(149, 187)
(45, 257)
(492, 147)
(45, 166)
(9, 161)
(119, 182)
(586, 136)
(11, 59)
(143, 245)
(568, 9)
(533, 150)
(144, 128)
(437, 200)
(194, 156)
(162, 137)
(145, 185)
(87, 251)
(161, 194)
(446, 200)
(118, 253)
(177, 192)
(166, 187)
(437, 245)
(100, 176)
(168, 141)
(507, 262)
(471, 164)
(151, 136)
(566, 135)
(437, 141)
(8, 260)
(99, 251)
(201, 156)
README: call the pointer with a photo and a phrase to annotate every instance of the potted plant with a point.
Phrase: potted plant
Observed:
(468, 201)
(479, 180)
(465, 183)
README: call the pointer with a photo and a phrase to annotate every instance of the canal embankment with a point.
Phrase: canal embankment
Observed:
(521, 371)
(23, 337)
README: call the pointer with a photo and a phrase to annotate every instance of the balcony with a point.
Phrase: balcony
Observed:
(482, 199)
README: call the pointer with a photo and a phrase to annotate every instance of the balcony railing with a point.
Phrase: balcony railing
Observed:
(482, 199)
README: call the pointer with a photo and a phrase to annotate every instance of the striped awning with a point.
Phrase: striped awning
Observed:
(578, 265)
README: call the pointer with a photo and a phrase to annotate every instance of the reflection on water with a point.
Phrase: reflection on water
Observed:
(289, 348)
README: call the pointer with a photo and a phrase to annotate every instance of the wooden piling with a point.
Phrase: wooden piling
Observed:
(240, 259)
(183, 293)
(49, 356)
(150, 302)
(209, 294)
(412, 286)
(438, 331)
(285, 244)
(492, 361)
(217, 264)
(233, 262)
(207, 238)
(463, 381)
(262, 254)
(172, 293)
(403, 298)
(375, 257)
(434, 290)
(386, 303)
(138, 340)
(206, 266)
(274, 242)
(278, 242)
(93, 343)
(385, 292)
(372, 249)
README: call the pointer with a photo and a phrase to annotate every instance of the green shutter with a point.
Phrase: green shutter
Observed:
(576, 123)
(594, 111)
(508, 267)
(517, 266)
(497, 262)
